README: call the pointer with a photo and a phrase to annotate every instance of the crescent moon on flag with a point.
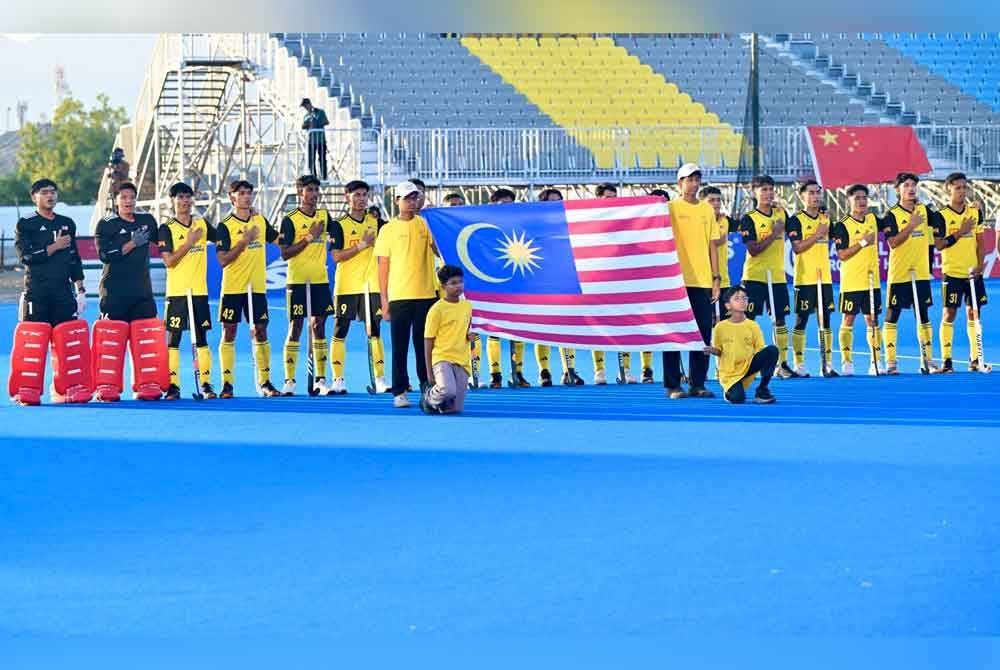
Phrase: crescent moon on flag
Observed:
(462, 246)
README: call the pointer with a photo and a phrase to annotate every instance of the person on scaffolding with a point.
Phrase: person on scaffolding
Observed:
(314, 123)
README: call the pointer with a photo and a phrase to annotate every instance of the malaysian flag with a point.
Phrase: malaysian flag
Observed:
(593, 274)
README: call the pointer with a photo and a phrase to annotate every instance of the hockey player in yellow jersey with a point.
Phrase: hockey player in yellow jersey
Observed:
(958, 233)
(240, 247)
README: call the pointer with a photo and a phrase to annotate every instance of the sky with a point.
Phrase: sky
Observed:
(114, 64)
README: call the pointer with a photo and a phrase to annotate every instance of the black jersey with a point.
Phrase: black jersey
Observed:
(124, 275)
(45, 273)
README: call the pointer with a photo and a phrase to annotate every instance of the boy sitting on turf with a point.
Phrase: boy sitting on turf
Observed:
(739, 344)
(446, 346)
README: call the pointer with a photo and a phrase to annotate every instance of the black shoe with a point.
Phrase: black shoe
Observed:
(520, 381)
(830, 373)
(425, 406)
(267, 390)
(784, 371)
(208, 391)
(496, 380)
(947, 366)
(545, 378)
(676, 394)
(647, 375)
(763, 396)
(173, 393)
(570, 378)
(227, 391)
(700, 392)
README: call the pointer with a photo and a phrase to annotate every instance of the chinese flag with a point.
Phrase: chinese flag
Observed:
(846, 155)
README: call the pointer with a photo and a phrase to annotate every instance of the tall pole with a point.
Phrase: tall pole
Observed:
(755, 103)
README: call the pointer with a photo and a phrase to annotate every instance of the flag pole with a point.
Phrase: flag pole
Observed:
(755, 102)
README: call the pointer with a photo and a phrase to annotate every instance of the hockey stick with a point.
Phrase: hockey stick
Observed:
(873, 315)
(512, 382)
(774, 320)
(621, 368)
(925, 368)
(474, 364)
(368, 338)
(310, 364)
(821, 322)
(197, 395)
(984, 367)
(253, 336)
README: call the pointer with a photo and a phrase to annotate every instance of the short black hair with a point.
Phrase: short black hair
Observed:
(502, 193)
(904, 177)
(419, 182)
(761, 180)
(804, 186)
(236, 185)
(953, 177)
(43, 183)
(454, 195)
(180, 188)
(355, 185)
(128, 186)
(660, 192)
(448, 271)
(733, 290)
(544, 195)
(710, 190)
(306, 180)
(857, 187)
(606, 186)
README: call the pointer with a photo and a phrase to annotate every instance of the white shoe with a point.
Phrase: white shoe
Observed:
(401, 401)
(802, 370)
(322, 386)
(288, 388)
(600, 377)
(630, 378)
(873, 371)
(847, 369)
(339, 386)
(380, 385)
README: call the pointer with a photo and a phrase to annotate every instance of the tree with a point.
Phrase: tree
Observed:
(73, 150)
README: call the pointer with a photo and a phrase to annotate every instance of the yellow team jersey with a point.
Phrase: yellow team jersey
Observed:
(755, 226)
(738, 342)
(725, 227)
(250, 267)
(964, 254)
(351, 275)
(817, 257)
(855, 270)
(407, 245)
(190, 273)
(694, 227)
(448, 323)
(310, 264)
(911, 254)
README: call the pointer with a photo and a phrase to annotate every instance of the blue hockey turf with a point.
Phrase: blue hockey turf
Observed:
(852, 506)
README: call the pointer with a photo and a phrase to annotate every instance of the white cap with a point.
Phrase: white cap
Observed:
(687, 170)
(405, 188)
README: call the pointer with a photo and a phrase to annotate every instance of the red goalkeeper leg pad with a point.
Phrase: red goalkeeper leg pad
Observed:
(148, 339)
(108, 352)
(72, 379)
(27, 362)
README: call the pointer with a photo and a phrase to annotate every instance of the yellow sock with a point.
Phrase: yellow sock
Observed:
(970, 331)
(647, 360)
(319, 358)
(568, 356)
(493, 354)
(205, 364)
(927, 340)
(828, 336)
(518, 355)
(846, 342)
(338, 352)
(874, 343)
(889, 337)
(378, 353)
(174, 365)
(227, 357)
(947, 338)
(626, 359)
(799, 346)
(542, 353)
(262, 359)
(291, 358)
(782, 343)
(598, 357)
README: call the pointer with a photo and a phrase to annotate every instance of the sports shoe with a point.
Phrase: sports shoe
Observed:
(829, 372)
(801, 370)
(647, 375)
(208, 391)
(322, 386)
(847, 369)
(570, 378)
(947, 367)
(676, 394)
(545, 378)
(600, 378)
(339, 387)
(784, 371)
(401, 401)
(630, 378)
(227, 391)
(875, 369)
(380, 385)
(496, 380)
(931, 369)
(974, 365)
(289, 388)
(519, 381)
(173, 392)
(267, 390)
(700, 392)
(763, 396)
(892, 369)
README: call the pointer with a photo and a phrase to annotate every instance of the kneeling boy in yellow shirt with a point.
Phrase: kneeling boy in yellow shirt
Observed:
(446, 346)
(739, 344)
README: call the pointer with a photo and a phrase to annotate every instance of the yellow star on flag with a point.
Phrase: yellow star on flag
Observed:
(828, 138)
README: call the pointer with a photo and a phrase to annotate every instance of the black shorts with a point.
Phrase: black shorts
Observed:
(128, 308)
(175, 314)
(233, 308)
(320, 297)
(805, 300)
(50, 308)
(352, 306)
(856, 302)
(759, 299)
(901, 294)
(956, 289)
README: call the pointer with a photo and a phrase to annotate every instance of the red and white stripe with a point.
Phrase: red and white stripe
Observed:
(633, 294)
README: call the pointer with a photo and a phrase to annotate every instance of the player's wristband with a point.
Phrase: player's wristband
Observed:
(863, 242)
(951, 240)
(362, 245)
(716, 277)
